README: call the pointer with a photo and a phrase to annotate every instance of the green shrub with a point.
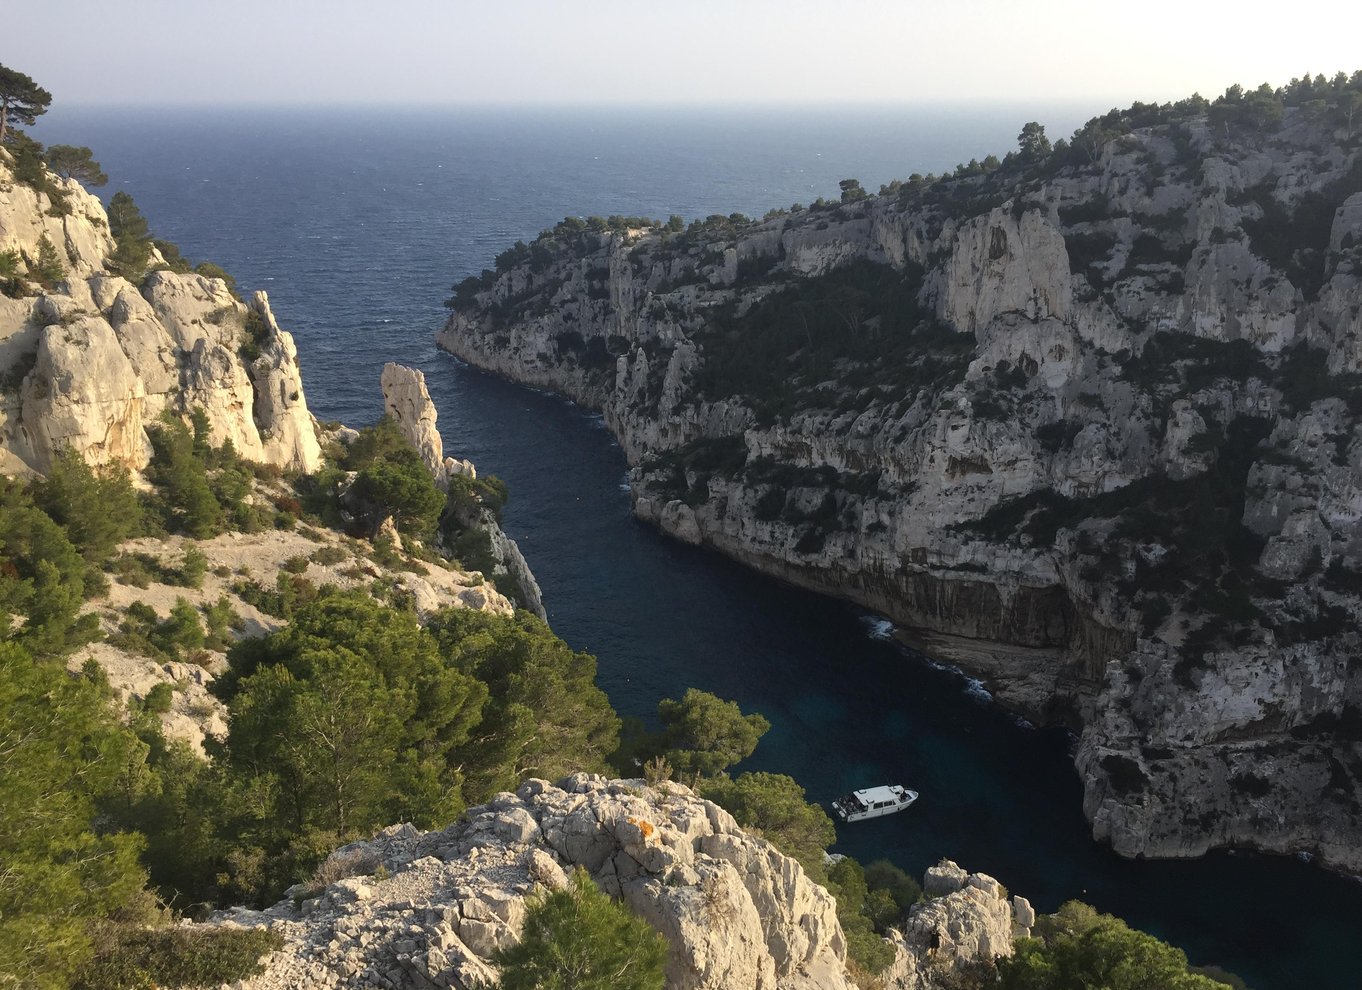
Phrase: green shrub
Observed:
(703, 734)
(44, 579)
(472, 548)
(132, 251)
(221, 619)
(60, 873)
(128, 958)
(579, 939)
(775, 804)
(159, 698)
(98, 507)
(295, 565)
(193, 567)
(209, 270)
(329, 555)
(175, 261)
(181, 634)
(1077, 947)
(255, 331)
(10, 283)
(467, 494)
(846, 880)
(178, 469)
(48, 268)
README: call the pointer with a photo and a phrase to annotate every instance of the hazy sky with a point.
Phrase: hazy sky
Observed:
(679, 51)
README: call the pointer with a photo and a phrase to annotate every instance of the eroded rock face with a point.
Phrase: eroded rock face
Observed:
(82, 237)
(408, 403)
(1101, 326)
(735, 912)
(95, 360)
(966, 923)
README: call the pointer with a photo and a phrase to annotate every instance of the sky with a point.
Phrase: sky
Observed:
(591, 52)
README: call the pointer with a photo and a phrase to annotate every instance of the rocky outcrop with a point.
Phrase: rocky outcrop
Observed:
(407, 402)
(1103, 414)
(734, 910)
(81, 235)
(963, 925)
(93, 361)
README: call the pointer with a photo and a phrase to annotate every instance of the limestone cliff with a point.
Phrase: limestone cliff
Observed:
(407, 401)
(1099, 410)
(735, 911)
(91, 359)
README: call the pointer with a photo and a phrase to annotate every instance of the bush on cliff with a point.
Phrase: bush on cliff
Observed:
(132, 251)
(392, 480)
(702, 735)
(775, 805)
(98, 507)
(579, 939)
(178, 470)
(43, 579)
(48, 268)
(1077, 947)
(134, 958)
(353, 709)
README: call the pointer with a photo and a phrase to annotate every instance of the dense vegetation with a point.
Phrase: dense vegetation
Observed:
(860, 324)
(1077, 947)
(350, 717)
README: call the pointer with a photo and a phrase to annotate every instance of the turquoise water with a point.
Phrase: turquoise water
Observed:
(358, 226)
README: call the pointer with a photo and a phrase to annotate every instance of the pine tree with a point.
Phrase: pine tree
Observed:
(129, 230)
(22, 101)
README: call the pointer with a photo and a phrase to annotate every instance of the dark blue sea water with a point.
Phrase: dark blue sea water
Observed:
(358, 223)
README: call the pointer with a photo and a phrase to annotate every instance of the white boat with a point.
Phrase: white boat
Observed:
(873, 802)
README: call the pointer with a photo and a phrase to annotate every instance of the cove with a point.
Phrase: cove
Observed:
(849, 708)
(357, 226)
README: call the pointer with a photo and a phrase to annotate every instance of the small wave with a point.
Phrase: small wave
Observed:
(624, 484)
(974, 687)
(976, 690)
(877, 627)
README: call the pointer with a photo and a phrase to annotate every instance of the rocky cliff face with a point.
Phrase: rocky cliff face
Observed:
(407, 401)
(91, 361)
(735, 912)
(1105, 416)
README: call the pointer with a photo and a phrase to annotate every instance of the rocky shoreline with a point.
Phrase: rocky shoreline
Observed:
(1102, 345)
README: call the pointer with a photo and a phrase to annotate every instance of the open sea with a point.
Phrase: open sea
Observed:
(358, 222)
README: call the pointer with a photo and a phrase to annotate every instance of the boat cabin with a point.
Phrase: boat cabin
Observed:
(872, 802)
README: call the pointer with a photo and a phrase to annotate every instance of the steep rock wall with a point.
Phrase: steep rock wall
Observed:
(1114, 361)
(90, 362)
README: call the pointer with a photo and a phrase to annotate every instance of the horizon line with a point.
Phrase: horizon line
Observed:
(830, 104)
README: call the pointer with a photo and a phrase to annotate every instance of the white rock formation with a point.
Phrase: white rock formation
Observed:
(965, 924)
(94, 361)
(735, 912)
(408, 403)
